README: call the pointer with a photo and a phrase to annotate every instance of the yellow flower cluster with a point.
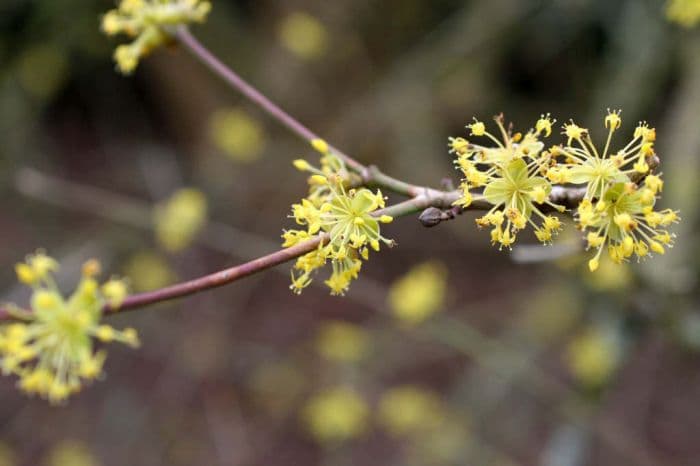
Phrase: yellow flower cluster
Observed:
(617, 207)
(512, 177)
(146, 21)
(50, 347)
(347, 215)
(684, 12)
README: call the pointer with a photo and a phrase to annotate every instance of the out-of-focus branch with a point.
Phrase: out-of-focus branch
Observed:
(371, 175)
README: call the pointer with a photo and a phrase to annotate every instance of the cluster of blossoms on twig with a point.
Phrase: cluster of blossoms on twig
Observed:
(50, 347)
(145, 21)
(516, 176)
(347, 215)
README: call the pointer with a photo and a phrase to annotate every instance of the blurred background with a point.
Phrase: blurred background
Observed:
(446, 351)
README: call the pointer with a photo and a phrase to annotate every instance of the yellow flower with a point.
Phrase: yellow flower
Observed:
(683, 12)
(342, 341)
(8, 457)
(409, 409)
(419, 294)
(347, 215)
(593, 356)
(148, 271)
(304, 35)
(50, 348)
(510, 174)
(180, 218)
(336, 415)
(149, 23)
(237, 134)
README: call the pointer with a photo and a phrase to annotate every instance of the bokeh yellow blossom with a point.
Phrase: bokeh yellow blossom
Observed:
(51, 346)
(342, 341)
(71, 453)
(149, 23)
(148, 270)
(336, 414)
(684, 12)
(592, 356)
(179, 219)
(237, 134)
(8, 457)
(304, 35)
(446, 444)
(409, 409)
(419, 294)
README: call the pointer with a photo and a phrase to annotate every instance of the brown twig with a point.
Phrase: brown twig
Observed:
(371, 175)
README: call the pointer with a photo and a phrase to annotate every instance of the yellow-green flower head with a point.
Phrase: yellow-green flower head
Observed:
(625, 223)
(50, 347)
(346, 215)
(511, 177)
(684, 12)
(583, 163)
(518, 194)
(148, 23)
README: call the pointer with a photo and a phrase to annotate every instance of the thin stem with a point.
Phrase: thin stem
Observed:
(217, 279)
(232, 78)
(370, 175)
(232, 274)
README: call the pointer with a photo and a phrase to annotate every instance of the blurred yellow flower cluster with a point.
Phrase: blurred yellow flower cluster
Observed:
(419, 294)
(146, 21)
(336, 414)
(179, 219)
(437, 434)
(593, 356)
(408, 409)
(342, 341)
(237, 134)
(304, 35)
(619, 190)
(50, 347)
(684, 12)
(512, 177)
(347, 215)
(71, 453)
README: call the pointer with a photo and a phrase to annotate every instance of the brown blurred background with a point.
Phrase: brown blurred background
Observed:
(522, 359)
